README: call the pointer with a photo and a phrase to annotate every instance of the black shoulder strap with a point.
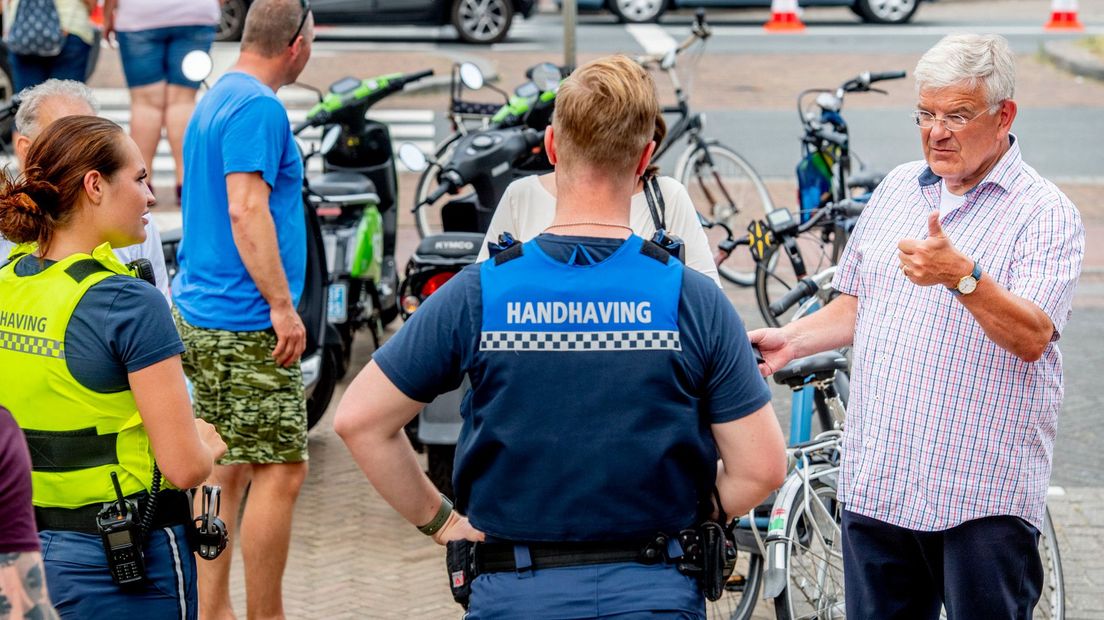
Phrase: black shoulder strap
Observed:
(509, 254)
(84, 268)
(653, 250)
(656, 204)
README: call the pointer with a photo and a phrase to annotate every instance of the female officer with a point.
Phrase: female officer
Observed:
(100, 389)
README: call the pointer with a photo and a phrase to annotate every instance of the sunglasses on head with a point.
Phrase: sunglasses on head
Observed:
(305, 5)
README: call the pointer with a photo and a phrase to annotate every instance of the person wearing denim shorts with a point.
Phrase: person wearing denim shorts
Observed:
(154, 36)
(72, 63)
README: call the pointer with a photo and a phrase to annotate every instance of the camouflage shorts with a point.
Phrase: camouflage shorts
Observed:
(257, 406)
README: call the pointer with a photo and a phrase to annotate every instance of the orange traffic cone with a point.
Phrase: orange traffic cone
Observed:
(784, 17)
(1063, 16)
(97, 16)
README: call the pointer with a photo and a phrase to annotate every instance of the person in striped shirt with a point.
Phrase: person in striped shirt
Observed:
(955, 289)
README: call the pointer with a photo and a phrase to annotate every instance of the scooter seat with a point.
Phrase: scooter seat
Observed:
(450, 245)
(342, 184)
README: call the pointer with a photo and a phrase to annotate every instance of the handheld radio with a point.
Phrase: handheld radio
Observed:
(121, 532)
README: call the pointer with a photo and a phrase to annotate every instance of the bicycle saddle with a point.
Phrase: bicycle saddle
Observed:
(820, 366)
(866, 179)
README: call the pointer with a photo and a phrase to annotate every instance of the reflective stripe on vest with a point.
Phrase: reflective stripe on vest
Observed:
(77, 436)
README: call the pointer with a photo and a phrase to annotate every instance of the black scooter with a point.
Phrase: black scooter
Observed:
(487, 160)
(355, 203)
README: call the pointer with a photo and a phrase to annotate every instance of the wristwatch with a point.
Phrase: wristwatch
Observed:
(968, 284)
(439, 520)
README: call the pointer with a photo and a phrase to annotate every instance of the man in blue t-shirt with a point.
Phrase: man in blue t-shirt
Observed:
(606, 379)
(242, 266)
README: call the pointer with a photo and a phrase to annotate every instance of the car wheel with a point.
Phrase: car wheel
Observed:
(439, 460)
(232, 20)
(638, 11)
(887, 11)
(323, 393)
(482, 21)
(7, 89)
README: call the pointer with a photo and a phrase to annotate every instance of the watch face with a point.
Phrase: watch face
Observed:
(967, 285)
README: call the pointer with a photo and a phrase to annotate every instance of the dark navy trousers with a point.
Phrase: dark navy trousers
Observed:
(985, 568)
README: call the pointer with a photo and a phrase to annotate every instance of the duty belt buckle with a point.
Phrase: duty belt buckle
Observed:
(211, 536)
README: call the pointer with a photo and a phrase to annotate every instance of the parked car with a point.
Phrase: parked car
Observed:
(476, 21)
(873, 11)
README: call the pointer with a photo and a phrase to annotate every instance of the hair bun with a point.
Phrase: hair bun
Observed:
(22, 218)
(25, 204)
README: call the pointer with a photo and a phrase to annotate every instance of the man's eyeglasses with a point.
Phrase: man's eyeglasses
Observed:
(305, 5)
(952, 122)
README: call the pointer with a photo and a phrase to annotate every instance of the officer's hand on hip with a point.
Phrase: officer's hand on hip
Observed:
(291, 336)
(775, 348)
(931, 261)
(457, 528)
(210, 438)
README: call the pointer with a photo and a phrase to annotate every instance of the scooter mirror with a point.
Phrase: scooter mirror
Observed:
(197, 65)
(471, 76)
(412, 157)
(547, 76)
(330, 139)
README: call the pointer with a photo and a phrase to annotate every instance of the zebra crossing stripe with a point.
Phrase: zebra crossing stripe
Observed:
(641, 340)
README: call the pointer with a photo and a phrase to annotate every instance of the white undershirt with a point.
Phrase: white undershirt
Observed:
(947, 201)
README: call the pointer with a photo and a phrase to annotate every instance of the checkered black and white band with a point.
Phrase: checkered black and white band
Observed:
(640, 340)
(32, 344)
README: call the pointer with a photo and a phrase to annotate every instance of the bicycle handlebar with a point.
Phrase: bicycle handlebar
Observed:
(699, 32)
(804, 289)
(887, 75)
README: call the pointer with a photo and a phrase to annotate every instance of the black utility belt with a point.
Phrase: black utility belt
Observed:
(706, 553)
(173, 508)
(500, 557)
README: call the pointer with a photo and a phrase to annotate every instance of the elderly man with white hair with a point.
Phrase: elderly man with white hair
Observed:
(41, 105)
(955, 289)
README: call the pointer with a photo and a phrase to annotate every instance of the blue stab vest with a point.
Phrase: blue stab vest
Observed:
(580, 424)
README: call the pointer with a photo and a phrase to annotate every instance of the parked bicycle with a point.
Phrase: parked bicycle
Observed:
(723, 186)
(825, 183)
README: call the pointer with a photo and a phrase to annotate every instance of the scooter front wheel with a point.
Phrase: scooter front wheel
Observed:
(428, 217)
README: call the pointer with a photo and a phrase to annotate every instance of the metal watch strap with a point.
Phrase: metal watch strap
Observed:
(439, 520)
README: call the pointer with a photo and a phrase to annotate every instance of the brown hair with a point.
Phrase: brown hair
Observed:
(606, 114)
(269, 25)
(44, 198)
(657, 137)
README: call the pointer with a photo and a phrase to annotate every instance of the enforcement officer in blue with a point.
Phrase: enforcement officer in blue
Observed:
(606, 378)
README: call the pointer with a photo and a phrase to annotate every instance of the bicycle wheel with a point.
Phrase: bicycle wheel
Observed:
(741, 591)
(1052, 603)
(814, 570)
(724, 187)
(428, 217)
(775, 274)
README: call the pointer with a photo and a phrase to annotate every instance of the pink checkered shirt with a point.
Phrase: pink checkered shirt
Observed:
(943, 425)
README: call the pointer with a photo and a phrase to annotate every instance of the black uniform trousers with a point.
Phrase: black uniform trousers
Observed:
(980, 569)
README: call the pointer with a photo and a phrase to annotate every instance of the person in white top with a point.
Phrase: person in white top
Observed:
(39, 107)
(529, 205)
(154, 36)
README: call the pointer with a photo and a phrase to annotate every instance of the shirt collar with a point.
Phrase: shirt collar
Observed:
(1002, 175)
